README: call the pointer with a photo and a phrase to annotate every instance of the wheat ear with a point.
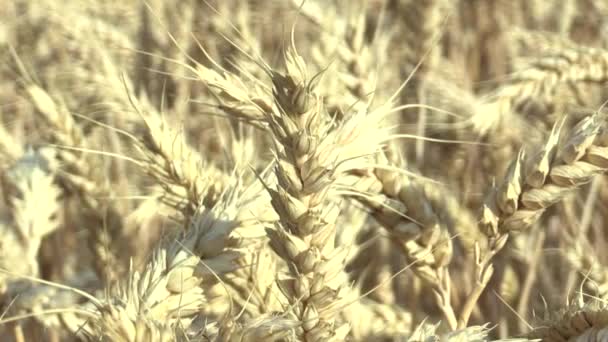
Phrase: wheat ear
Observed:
(539, 80)
(581, 321)
(171, 289)
(305, 237)
(534, 184)
(414, 226)
(186, 179)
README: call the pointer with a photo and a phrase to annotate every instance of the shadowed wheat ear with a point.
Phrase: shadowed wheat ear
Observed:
(581, 321)
(10, 149)
(248, 287)
(474, 333)
(252, 285)
(371, 320)
(414, 226)
(33, 199)
(593, 273)
(75, 175)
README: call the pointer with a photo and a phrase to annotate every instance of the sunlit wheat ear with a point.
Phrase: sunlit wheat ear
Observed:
(304, 140)
(531, 185)
(307, 164)
(536, 183)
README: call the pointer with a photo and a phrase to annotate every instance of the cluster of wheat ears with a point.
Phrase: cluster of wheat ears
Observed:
(320, 170)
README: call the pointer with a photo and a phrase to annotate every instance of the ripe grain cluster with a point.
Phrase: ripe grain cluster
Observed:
(286, 170)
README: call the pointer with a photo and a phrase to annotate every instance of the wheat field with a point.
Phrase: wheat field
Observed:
(319, 170)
